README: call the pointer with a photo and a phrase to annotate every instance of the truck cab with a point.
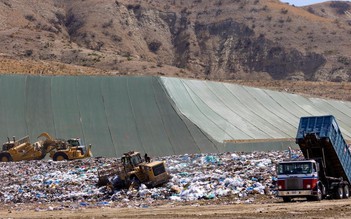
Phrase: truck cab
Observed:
(299, 179)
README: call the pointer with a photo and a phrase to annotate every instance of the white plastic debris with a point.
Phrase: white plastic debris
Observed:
(194, 177)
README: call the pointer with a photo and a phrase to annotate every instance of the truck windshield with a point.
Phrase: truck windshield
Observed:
(295, 168)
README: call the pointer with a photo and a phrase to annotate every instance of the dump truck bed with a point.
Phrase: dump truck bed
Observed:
(318, 135)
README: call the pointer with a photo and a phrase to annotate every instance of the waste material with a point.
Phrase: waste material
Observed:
(194, 177)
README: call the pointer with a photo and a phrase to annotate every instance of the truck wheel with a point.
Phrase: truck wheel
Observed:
(319, 195)
(339, 193)
(286, 199)
(346, 192)
(5, 157)
(59, 156)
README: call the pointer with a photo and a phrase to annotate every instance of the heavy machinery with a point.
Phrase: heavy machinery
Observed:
(325, 171)
(132, 171)
(22, 149)
(60, 150)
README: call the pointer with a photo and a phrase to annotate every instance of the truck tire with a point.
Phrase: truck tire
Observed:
(319, 195)
(339, 194)
(5, 157)
(59, 156)
(346, 192)
(286, 199)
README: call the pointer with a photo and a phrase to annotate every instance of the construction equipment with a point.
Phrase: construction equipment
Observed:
(325, 171)
(60, 150)
(132, 171)
(22, 149)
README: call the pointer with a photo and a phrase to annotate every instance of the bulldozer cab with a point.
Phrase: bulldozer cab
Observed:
(74, 141)
(13, 143)
(77, 142)
(7, 146)
(131, 160)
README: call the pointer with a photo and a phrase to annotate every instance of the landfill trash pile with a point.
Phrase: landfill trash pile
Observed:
(194, 177)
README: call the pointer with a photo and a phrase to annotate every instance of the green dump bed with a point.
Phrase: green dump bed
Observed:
(318, 135)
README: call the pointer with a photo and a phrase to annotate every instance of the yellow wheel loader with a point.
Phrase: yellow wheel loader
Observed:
(22, 149)
(60, 150)
(132, 171)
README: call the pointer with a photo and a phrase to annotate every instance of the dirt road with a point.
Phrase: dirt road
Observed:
(303, 209)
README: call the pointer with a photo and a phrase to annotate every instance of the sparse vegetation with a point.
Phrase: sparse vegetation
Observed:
(340, 6)
(30, 17)
(116, 38)
(61, 18)
(7, 3)
(284, 11)
(28, 52)
(154, 46)
(311, 10)
(107, 24)
(299, 29)
(344, 60)
(73, 23)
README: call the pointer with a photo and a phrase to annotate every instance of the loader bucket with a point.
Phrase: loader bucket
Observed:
(46, 135)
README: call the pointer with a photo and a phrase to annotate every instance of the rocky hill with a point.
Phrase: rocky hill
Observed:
(220, 39)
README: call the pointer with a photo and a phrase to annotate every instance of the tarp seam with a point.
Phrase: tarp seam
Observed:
(133, 113)
(26, 101)
(262, 105)
(223, 102)
(107, 121)
(161, 117)
(79, 111)
(52, 108)
(186, 88)
(179, 112)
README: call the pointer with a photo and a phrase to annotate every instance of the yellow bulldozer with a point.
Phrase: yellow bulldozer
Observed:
(60, 150)
(132, 171)
(22, 149)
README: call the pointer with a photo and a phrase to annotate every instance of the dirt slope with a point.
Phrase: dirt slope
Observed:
(222, 39)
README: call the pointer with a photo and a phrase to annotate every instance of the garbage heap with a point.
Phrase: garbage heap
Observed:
(194, 177)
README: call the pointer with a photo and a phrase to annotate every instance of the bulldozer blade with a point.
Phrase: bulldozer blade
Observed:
(88, 153)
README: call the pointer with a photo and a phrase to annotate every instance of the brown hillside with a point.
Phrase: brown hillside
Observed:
(218, 40)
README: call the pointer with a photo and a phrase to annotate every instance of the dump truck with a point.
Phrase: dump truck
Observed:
(70, 149)
(325, 170)
(21, 149)
(132, 171)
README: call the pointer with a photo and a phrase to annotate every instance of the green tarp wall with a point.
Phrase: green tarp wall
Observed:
(160, 116)
(229, 111)
(114, 114)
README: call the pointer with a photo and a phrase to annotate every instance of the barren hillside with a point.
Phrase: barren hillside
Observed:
(217, 40)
